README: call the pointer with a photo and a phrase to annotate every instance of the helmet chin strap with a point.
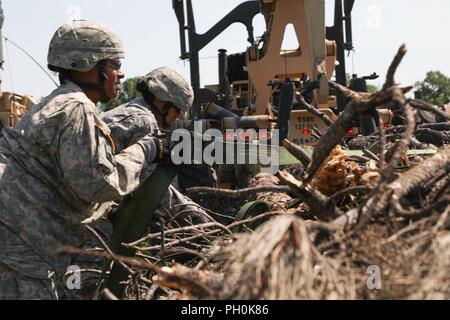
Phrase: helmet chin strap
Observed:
(100, 87)
(102, 78)
(162, 114)
(149, 98)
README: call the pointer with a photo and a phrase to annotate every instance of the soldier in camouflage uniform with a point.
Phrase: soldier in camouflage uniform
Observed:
(166, 96)
(60, 161)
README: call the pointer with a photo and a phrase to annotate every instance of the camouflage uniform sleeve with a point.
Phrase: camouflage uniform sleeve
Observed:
(129, 123)
(142, 125)
(88, 162)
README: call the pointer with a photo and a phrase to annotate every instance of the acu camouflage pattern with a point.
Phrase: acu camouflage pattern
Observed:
(168, 85)
(80, 45)
(130, 122)
(55, 166)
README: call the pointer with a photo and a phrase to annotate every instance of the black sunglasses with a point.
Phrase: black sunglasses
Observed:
(114, 64)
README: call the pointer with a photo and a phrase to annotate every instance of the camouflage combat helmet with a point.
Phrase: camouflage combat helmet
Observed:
(82, 44)
(168, 85)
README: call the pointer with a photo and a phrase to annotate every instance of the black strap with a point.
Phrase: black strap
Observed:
(102, 78)
(100, 87)
(162, 114)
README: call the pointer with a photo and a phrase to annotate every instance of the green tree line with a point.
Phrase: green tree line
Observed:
(435, 88)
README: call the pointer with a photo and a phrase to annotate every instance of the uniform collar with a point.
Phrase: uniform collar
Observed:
(71, 86)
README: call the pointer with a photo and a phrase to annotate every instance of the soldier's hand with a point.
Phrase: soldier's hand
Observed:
(156, 149)
(164, 149)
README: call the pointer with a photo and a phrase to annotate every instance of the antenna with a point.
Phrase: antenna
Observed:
(2, 18)
(33, 59)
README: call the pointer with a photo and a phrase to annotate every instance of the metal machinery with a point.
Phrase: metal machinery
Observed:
(313, 59)
(264, 78)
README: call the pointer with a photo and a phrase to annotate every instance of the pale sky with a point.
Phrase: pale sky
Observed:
(149, 30)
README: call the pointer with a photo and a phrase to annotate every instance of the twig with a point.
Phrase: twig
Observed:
(441, 126)
(205, 209)
(382, 144)
(393, 67)
(360, 105)
(389, 193)
(315, 135)
(343, 193)
(403, 143)
(377, 203)
(234, 194)
(150, 292)
(136, 286)
(134, 262)
(180, 241)
(299, 153)
(163, 241)
(420, 213)
(186, 279)
(355, 110)
(83, 270)
(319, 204)
(437, 190)
(357, 158)
(108, 294)
(106, 247)
(314, 111)
(213, 232)
(431, 136)
(422, 105)
(370, 154)
(171, 231)
(185, 250)
(406, 229)
(346, 92)
(421, 173)
(317, 131)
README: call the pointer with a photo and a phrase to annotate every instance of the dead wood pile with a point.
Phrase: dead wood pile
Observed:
(375, 226)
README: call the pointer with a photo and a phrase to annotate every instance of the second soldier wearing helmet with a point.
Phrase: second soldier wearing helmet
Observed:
(166, 95)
